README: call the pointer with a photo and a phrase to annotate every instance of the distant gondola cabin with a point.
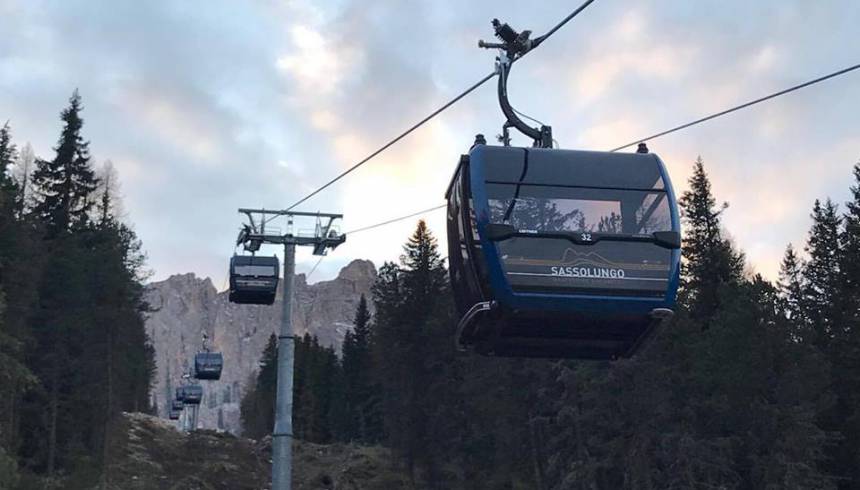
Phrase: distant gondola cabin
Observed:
(208, 365)
(253, 279)
(193, 394)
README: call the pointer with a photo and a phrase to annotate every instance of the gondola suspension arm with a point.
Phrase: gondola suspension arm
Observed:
(514, 46)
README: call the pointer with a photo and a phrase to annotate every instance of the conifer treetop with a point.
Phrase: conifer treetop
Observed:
(64, 185)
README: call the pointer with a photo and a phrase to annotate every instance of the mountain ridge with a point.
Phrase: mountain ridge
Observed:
(186, 306)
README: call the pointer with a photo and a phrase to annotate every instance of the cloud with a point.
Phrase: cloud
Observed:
(176, 122)
(316, 65)
(208, 106)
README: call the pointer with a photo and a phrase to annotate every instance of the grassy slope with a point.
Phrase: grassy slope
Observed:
(151, 454)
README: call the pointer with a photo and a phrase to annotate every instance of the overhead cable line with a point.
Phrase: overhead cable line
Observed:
(377, 225)
(739, 107)
(657, 135)
(561, 24)
(438, 111)
(314, 268)
(395, 140)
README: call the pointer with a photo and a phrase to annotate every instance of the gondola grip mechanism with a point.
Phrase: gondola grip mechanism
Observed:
(514, 46)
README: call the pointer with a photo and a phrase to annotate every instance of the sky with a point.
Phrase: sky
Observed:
(207, 106)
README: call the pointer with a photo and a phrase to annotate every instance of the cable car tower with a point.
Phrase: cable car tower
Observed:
(251, 282)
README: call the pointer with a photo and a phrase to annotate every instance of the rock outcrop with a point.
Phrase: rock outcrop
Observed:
(187, 307)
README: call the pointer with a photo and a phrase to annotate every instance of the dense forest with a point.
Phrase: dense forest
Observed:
(73, 347)
(753, 385)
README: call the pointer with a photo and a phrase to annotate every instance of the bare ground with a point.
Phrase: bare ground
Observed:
(150, 453)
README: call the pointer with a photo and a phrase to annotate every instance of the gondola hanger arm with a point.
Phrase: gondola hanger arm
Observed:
(514, 46)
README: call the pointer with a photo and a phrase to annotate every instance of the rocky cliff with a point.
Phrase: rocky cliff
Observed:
(187, 307)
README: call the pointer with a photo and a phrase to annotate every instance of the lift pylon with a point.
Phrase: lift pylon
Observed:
(322, 237)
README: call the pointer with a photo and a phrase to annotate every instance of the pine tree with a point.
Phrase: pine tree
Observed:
(424, 271)
(253, 427)
(107, 197)
(844, 318)
(305, 401)
(792, 291)
(64, 185)
(23, 175)
(21, 263)
(258, 402)
(387, 302)
(61, 315)
(710, 261)
(63, 325)
(87, 345)
(822, 273)
(314, 383)
(17, 377)
(387, 297)
(407, 300)
(116, 372)
(8, 156)
(361, 399)
(15, 380)
(849, 259)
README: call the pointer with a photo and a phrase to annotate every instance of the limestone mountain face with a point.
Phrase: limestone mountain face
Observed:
(187, 307)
